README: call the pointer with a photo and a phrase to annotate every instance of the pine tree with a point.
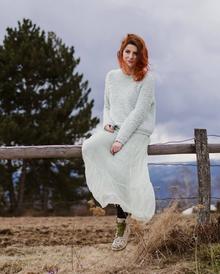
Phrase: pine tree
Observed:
(43, 101)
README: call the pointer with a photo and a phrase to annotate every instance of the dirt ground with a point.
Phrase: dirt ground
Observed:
(50, 245)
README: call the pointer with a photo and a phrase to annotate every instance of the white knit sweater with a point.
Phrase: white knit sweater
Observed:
(129, 104)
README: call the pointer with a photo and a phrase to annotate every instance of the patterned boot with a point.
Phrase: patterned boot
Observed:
(121, 235)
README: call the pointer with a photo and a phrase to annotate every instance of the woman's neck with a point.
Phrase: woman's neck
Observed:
(130, 72)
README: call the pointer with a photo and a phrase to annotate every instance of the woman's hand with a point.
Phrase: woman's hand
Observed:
(116, 146)
(109, 128)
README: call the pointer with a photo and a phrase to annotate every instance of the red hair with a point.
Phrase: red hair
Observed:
(142, 65)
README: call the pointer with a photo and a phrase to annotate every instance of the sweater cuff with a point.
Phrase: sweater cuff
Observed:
(120, 140)
(112, 124)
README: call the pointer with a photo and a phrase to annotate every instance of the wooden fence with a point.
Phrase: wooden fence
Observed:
(200, 147)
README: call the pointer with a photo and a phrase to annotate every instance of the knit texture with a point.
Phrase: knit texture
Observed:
(129, 104)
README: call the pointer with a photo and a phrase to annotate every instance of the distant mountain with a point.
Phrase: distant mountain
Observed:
(179, 180)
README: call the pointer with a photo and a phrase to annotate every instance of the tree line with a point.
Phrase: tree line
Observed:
(43, 101)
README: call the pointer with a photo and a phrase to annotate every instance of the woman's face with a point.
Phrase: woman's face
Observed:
(130, 55)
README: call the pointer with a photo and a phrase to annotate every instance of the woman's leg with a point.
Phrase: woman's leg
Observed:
(122, 230)
(120, 212)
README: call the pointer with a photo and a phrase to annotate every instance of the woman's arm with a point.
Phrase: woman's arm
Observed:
(140, 112)
(106, 111)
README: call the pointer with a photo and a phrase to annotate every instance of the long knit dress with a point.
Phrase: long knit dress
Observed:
(123, 178)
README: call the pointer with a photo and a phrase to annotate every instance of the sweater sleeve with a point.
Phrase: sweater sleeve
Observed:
(140, 112)
(106, 110)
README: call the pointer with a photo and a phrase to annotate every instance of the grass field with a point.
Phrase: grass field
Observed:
(42, 245)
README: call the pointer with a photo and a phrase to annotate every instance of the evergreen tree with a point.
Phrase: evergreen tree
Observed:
(43, 101)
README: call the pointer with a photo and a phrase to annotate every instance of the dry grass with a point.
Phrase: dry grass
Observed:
(169, 233)
(176, 240)
(160, 243)
(170, 243)
(95, 210)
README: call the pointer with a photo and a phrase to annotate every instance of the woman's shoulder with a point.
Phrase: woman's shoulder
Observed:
(149, 77)
(113, 72)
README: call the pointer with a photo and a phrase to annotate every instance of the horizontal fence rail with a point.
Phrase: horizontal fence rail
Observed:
(200, 147)
(74, 151)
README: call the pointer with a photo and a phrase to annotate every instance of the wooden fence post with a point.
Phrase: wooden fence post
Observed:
(204, 178)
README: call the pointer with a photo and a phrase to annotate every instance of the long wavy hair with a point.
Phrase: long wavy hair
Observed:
(142, 64)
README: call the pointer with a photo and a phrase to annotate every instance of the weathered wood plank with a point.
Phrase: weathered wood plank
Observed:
(204, 177)
(31, 152)
(74, 151)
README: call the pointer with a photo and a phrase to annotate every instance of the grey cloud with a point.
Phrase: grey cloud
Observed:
(183, 41)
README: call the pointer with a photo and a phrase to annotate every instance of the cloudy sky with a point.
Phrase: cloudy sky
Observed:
(183, 38)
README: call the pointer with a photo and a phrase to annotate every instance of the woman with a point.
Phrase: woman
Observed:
(116, 157)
